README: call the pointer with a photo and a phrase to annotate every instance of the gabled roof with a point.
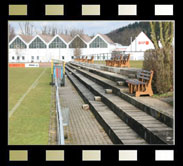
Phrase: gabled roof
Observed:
(66, 38)
(26, 38)
(106, 38)
(146, 43)
(85, 37)
(103, 37)
(46, 38)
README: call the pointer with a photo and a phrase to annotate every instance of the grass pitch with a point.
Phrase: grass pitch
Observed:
(29, 124)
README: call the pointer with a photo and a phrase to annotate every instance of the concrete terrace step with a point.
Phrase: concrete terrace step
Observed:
(124, 71)
(118, 131)
(130, 114)
(107, 74)
(154, 107)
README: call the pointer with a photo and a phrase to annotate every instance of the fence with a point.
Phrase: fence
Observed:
(60, 128)
(134, 55)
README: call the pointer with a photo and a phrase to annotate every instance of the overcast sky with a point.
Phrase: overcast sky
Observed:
(89, 27)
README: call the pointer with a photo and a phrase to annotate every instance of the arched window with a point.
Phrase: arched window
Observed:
(17, 43)
(57, 43)
(77, 43)
(98, 43)
(37, 43)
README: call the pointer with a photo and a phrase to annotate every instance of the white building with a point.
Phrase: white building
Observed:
(43, 48)
(139, 46)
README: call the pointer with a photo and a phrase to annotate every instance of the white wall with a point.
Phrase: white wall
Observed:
(46, 54)
(136, 55)
(139, 46)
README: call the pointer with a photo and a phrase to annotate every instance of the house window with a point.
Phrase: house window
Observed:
(13, 57)
(57, 43)
(72, 57)
(17, 43)
(23, 57)
(32, 57)
(18, 57)
(98, 43)
(37, 57)
(37, 43)
(62, 57)
(77, 43)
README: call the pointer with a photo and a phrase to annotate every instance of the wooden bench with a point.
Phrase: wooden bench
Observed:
(125, 61)
(77, 59)
(141, 85)
(119, 61)
(84, 59)
(91, 60)
(111, 62)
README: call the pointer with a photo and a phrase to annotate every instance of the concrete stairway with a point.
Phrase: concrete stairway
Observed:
(122, 120)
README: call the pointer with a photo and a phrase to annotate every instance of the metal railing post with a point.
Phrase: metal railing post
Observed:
(60, 128)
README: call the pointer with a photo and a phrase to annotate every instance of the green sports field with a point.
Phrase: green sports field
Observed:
(29, 106)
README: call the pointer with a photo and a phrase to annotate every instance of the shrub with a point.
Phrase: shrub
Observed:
(161, 62)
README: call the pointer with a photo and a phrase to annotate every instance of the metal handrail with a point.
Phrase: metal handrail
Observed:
(60, 128)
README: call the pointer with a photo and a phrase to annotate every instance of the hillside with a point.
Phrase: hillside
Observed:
(123, 35)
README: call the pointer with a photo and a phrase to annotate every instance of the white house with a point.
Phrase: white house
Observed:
(139, 46)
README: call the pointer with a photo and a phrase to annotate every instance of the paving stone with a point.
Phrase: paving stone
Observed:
(83, 128)
(110, 118)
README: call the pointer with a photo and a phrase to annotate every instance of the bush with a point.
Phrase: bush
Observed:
(161, 62)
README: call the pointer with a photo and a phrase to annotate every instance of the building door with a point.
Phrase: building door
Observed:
(32, 58)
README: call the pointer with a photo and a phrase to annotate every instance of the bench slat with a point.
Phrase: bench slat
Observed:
(135, 82)
(145, 78)
(146, 71)
(143, 74)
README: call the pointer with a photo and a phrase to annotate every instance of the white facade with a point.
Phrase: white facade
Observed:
(139, 46)
(46, 54)
(100, 46)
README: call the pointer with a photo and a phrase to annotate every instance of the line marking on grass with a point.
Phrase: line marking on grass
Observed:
(34, 84)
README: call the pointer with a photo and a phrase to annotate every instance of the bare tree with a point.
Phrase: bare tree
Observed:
(77, 52)
(27, 28)
(73, 32)
(11, 32)
(51, 30)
